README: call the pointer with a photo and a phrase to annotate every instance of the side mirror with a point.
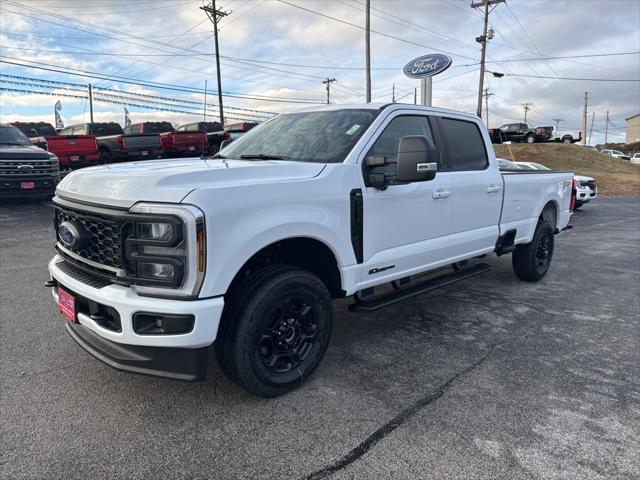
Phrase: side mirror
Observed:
(417, 157)
(224, 143)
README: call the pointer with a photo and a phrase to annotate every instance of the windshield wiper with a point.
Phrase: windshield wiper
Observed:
(13, 143)
(262, 156)
(217, 155)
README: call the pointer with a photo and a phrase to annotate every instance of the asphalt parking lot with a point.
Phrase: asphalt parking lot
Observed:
(488, 378)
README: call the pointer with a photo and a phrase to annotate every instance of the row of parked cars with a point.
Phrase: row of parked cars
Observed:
(586, 188)
(33, 153)
(91, 143)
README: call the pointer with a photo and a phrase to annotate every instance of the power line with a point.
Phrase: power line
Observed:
(404, 40)
(165, 86)
(574, 78)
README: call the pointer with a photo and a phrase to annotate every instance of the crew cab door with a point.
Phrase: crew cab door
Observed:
(476, 187)
(404, 224)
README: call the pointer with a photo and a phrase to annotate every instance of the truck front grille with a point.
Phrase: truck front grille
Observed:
(104, 245)
(30, 168)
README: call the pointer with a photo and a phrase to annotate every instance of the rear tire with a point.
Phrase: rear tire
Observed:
(105, 158)
(567, 140)
(532, 260)
(275, 330)
(530, 139)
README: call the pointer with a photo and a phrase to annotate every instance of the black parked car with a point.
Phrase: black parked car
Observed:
(115, 145)
(25, 170)
(520, 132)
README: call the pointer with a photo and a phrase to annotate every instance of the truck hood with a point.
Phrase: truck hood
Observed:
(124, 184)
(582, 178)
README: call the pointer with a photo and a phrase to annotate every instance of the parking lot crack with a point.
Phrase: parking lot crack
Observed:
(361, 449)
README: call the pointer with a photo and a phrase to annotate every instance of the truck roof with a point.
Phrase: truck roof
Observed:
(384, 106)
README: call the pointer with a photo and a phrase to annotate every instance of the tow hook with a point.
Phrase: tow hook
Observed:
(49, 283)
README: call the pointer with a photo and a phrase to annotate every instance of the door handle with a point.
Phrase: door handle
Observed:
(441, 194)
(493, 188)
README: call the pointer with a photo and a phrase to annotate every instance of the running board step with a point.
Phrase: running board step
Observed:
(389, 298)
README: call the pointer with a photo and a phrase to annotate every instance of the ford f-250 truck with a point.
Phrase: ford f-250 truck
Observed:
(115, 145)
(158, 260)
(73, 151)
(174, 144)
(520, 132)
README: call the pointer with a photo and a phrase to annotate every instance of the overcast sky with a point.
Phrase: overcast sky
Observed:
(281, 50)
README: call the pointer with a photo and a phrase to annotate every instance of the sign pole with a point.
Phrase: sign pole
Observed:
(426, 90)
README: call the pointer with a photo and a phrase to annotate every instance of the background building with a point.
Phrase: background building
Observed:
(633, 128)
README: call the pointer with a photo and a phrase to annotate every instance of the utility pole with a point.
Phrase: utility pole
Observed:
(526, 109)
(486, 103)
(593, 117)
(367, 49)
(393, 93)
(90, 103)
(606, 128)
(584, 119)
(204, 115)
(328, 83)
(483, 41)
(215, 15)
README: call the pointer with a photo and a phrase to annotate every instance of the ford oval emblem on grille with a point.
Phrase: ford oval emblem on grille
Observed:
(72, 235)
(25, 168)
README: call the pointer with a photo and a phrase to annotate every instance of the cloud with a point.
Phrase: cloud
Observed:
(276, 32)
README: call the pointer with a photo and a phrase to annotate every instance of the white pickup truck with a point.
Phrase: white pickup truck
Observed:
(157, 260)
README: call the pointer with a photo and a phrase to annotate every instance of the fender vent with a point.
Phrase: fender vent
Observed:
(357, 217)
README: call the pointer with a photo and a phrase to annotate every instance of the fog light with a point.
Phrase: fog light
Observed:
(162, 271)
(146, 323)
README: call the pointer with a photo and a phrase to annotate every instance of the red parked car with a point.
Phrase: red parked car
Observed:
(174, 143)
(73, 151)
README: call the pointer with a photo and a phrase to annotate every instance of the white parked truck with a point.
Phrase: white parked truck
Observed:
(158, 260)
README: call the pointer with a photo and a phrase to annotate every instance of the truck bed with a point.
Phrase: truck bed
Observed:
(523, 195)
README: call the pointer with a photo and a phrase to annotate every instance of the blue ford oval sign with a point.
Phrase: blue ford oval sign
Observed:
(427, 65)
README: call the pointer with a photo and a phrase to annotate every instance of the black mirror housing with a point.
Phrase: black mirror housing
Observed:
(417, 159)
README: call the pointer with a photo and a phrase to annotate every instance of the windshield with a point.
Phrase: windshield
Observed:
(12, 136)
(37, 129)
(104, 129)
(325, 137)
(617, 152)
(158, 127)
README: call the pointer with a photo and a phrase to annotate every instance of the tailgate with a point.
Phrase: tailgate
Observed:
(64, 145)
(189, 139)
(137, 142)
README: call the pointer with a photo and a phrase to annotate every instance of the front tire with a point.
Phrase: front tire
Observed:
(275, 330)
(532, 260)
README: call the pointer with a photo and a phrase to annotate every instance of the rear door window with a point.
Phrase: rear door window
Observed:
(464, 145)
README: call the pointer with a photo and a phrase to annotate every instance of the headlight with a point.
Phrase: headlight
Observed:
(166, 249)
(155, 231)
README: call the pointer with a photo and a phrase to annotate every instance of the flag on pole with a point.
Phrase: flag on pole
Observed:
(127, 118)
(56, 110)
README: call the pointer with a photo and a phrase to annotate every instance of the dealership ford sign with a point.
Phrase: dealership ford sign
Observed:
(427, 65)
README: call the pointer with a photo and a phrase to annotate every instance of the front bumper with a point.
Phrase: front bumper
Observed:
(10, 186)
(101, 341)
(584, 194)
